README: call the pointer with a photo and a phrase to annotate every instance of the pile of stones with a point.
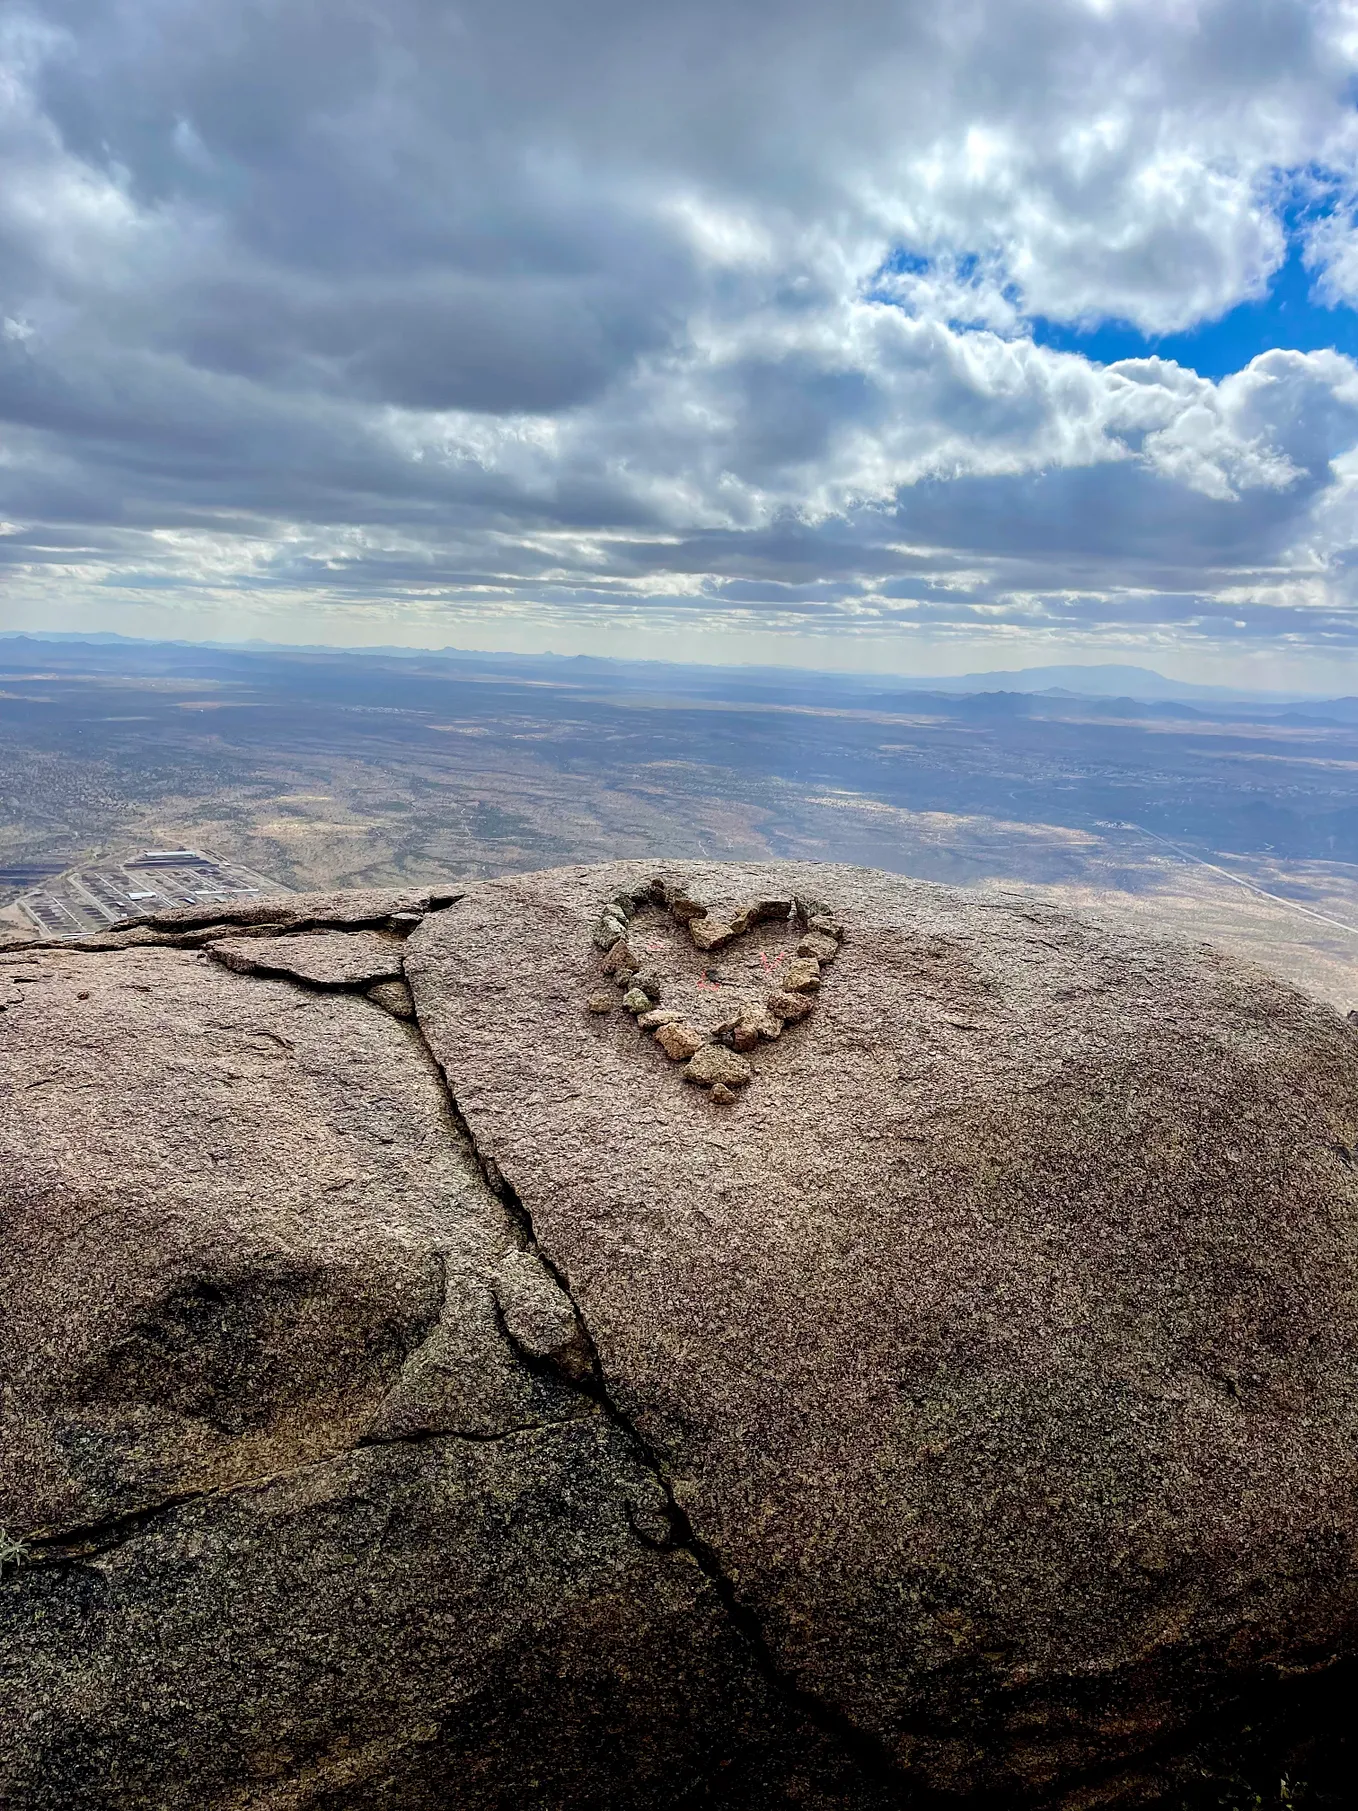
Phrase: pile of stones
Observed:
(716, 1059)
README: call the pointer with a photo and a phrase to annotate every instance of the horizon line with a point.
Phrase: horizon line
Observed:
(922, 682)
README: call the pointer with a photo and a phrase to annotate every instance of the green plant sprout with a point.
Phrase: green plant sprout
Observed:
(12, 1552)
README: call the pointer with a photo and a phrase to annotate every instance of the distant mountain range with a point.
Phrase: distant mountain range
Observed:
(1107, 681)
(1098, 681)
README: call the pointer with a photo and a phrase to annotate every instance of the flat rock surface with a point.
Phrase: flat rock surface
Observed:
(319, 958)
(361, 906)
(998, 1340)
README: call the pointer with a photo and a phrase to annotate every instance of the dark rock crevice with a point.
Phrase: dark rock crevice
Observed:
(67, 1547)
(862, 1748)
(267, 971)
(191, 927)
(285, 917)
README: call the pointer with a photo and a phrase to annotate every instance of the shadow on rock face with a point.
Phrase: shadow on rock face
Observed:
(241, 1233)
(249, 1350)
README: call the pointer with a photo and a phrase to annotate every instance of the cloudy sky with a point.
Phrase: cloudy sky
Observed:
(876, 335)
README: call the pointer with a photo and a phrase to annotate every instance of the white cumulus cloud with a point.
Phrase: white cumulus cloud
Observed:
(635, 311)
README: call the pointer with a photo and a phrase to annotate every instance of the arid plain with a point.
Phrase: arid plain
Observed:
(1230, 823)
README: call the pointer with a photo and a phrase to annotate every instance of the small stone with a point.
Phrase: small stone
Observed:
(662, 1015)
(403, 923)
(801, 976)
(754, 1025)
(623, 904)
(635, 1001)
(684, 907)
(539, 1317)
(762, 911)
(817, 944)
(678, 1040)
(607, 932)
(395, 997)
(649, 983)
(600, 1002)
(722, 1094)
(715, 1063)
(830, 926)
(620, 960)
(652, 1021)
(789, 1006)
(710, 933)
(807, 909)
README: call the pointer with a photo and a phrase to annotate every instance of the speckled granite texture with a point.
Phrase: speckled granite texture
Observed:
(464, 1411)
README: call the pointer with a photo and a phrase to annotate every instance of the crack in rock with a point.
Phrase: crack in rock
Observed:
(870, 1754)
(73, 1546)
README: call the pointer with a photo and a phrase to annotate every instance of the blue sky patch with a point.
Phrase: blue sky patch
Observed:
(1288, 316)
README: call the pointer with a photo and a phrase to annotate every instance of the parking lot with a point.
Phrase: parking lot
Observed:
(92, 898)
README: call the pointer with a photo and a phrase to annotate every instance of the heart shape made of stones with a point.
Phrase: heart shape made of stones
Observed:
(719, 1015)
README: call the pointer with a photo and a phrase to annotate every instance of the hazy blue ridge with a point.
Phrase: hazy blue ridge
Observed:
(1103, 681)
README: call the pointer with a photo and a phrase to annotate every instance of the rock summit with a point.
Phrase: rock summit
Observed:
(414, 1395)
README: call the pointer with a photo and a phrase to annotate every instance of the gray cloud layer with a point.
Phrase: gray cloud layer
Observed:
(702, 314)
